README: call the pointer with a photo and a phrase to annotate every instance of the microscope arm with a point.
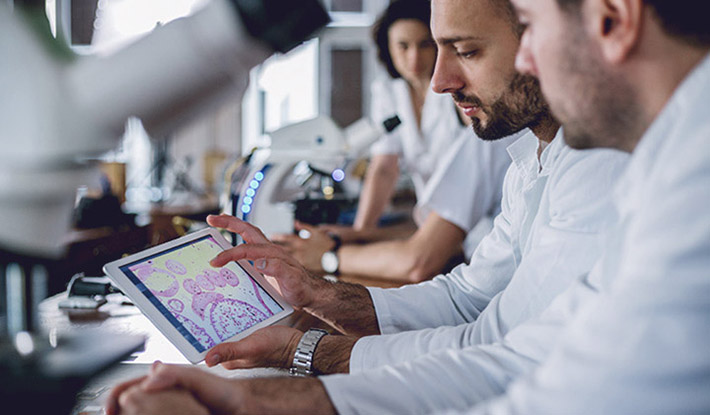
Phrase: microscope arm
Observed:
(190, 65)
(181, 69)
(59, 110)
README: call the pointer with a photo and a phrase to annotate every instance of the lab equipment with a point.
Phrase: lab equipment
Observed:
(60, 110)
(87, 292)
(302, 174)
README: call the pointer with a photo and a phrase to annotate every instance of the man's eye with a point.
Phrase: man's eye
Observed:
(467, 54)
(523, 24)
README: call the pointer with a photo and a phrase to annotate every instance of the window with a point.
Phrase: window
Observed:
(333, 73)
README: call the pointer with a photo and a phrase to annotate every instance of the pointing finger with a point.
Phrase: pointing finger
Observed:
(252, 253)
(250, 233)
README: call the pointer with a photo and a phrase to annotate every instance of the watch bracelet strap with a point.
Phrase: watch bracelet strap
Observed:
(303, 358)
(337, 240)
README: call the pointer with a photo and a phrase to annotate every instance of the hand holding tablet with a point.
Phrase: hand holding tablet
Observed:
(193, 304)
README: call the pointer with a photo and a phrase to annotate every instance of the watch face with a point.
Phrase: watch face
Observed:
(329, 261)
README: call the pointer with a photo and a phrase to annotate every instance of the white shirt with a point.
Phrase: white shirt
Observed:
(548, 233)
(455, 174)
(639, 343)
(467, 187)
(420, 150)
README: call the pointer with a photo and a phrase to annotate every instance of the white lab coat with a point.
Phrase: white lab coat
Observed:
(455, 174)
(420, 151)
(548, 232)
(638, 343)
(467, 187)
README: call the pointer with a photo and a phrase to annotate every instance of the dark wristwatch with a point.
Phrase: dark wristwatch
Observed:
(303, 358)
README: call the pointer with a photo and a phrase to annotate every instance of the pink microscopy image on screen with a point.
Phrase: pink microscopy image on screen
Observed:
(229, 317)
(211, 303)
(175, 267)
(159, 281)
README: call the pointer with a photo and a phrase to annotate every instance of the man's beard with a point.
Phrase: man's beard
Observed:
(521, 106)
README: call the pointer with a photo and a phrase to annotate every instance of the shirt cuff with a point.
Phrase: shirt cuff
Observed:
(382, 310)
(358, 354)
(336, 386)
(361, 348)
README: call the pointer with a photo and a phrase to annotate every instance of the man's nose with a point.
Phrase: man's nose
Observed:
(445, 78)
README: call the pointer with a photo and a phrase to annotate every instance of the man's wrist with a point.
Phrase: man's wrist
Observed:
(333, 354)
(305, 350)
(337, 241)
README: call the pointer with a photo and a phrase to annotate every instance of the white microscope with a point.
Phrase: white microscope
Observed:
(57, 111)
(302, 175)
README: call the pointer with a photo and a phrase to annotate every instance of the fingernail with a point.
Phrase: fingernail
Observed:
(214, 359)
(260, 263)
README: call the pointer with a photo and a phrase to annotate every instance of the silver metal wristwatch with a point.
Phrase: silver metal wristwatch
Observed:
(303, 358)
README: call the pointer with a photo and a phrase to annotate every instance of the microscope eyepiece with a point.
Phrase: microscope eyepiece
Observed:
(283, 24)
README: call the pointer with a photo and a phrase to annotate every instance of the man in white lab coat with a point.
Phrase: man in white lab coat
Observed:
(632, 75)
(548, 233)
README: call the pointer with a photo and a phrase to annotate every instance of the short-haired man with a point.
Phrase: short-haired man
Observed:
(632, 75)
(555, 207)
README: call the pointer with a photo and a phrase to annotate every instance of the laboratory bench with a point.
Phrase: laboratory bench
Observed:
(118, 318)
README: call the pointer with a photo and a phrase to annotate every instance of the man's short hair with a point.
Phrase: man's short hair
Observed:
(397, 10)
(679, 18)
(507, 11)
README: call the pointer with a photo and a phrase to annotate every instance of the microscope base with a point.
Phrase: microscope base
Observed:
(47, 380)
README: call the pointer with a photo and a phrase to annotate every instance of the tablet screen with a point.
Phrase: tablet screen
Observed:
(207, 305)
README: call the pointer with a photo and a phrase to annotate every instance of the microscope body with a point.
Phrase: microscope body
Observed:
(59, 110)
(303, 175)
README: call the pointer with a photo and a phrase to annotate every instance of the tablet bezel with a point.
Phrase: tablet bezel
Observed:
(113, 271)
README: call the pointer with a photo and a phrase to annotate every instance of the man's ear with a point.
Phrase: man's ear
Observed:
(615, 25)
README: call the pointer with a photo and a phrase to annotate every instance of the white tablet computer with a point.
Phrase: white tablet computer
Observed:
(193, 304)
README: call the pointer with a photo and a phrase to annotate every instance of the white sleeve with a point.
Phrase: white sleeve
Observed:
(454, 298)
(450, 378)
(383, 106)
(566, 245)
(642, 345)
(467, 185)
(455, 379)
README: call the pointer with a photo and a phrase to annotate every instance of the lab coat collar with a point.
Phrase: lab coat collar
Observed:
(523, 153)
(551, 153)
(680, 110)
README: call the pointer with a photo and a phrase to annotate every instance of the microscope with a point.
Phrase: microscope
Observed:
(59, 111)
(303, 175)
